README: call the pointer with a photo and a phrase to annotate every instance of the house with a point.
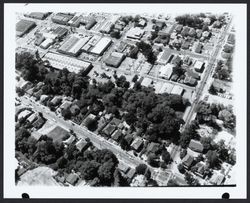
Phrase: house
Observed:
(198, 33)
(187, 161)
(185, 44)
(162, 178)
(124, 168)
(189, 80)
(38, 93)
(24, 114)
(64, 106)
(135, 33)
(153, 147)
(115, 121)
(109, 129)
(70, 140)
(231, 39)
(72, 179)
(217, 178)
(130, 174)
(44, 98)
(198, 47)
(193, 74)
(39, 122)
(139, 181)
(192, 32)
(146, 82)
(195, 146)
(56, 100)
(129, 138)
(176, 60)
(206, 34)
(163, 57)
(185, 31)
(178, 28)
(187, 60)
(199, 66)
(174, 77)
(32, 117)
(82, 145)
(117, 135)
(137, 144)
(166, 71)
(142, 23)
(74, 109)
(26, 85)
(88, 118)
(201, 168)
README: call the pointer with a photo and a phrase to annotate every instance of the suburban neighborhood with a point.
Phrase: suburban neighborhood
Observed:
(124, 100)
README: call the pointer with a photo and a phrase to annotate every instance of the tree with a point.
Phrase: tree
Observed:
(61, 162)
(141, 169)
(191, 180)
(89, 170)
(181, 168)
(130, 118)
(20, 92)
(135, 78)
(91, 124)
(106, 172)
(166, 157)
(212, 158)
(212, 90)
(206, 141)
(152, 160)
(115, 34)
(66, 113)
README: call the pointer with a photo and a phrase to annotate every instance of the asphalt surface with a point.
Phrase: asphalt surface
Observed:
(208, 72)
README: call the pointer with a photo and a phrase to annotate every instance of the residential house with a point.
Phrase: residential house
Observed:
(199, 66)
(74, 109)
(185, 31)
(130, 174)
(72, 179)
(82, 145)
(176, 60)
(39, 122)
(70, 140)
(196, 146)
(189, 80)
(117, 135)
(124, 168)
(64, 106)
(166, 71)
(56, 100)
(187, 161)
(217, 178)
(193, 74)
(137, 144)
(198, 33)
(178, 28)
(152, 147)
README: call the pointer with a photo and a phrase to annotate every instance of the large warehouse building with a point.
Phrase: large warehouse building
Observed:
(101, 46)
(58, 61)
(24, 26)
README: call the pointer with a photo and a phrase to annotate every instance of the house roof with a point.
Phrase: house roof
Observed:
(69, 140)
(117, 135)
(131, 173)
(193, 74)
(187, 160)
(81, 144)
(109, 129)
(217, 178)
(178, 28)
(190, 80)
(153, 147)
(72, 179)
(123, 167)
(137, 143)
(129, 138)
(195, 145)
(74, 108)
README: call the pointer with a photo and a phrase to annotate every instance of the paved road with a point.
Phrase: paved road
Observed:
(82, 132)
(208, 72)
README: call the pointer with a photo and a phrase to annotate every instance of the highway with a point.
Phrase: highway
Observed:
(208, 72)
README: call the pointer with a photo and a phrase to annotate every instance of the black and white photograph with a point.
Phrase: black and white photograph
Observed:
(128, 100)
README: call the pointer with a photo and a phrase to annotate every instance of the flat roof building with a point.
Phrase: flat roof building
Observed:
(114, 59)
(166, 71)
(135, 33)
(177, 90)
(58, 61)
(101, 46)
(37, 15)
(24, 26)
(199, 66)
(166, 88)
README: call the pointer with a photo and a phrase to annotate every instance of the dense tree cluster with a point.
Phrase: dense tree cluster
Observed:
(147, 50)
(190, 20)
(223, 71)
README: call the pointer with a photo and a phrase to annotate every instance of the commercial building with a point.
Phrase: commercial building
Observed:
(37, 15)
(187, 161)
(75, 21)
(177, 90)
(72, 46)
(90, 23)
(114, 59)
(135, 33)
(195, 146)
(146, 82)
(163, 58)
(199, 66)
(166, 88)
(106, 27)
(166, 71)
(198, 47)
(60, 32)
(24, 26)
(58, 61)
(189, 80)
(46, 43)
(101, 46)
(62, 18)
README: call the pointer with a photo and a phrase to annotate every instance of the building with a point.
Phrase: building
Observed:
(198, 47)
(166, 71)
(65, 105)
(199, 66)
(114, 59)
(231, 39)
(124, 168)
(142, 23)
(101, 46)
(39, 40)
(166, 88)
(217, 178)
(39, 122)
(163, 58)
(176, 60)
(192, 32)
(198, 33)
(193, 74)
(109, 129)
(57, 134)
(117, 135)
(72, 46)
(91, 22)
(37, 15)
(75, 21)
(174, 77)
(196, 146)
(61, 18)
(106, 27)
(189, 80)
(72, 179)
(146, 82)
(24, 114)
(130, 174)
(139, 181)
(187, 60)
(206, 34)
(185, 44)
(135, 33)
(60, 62)
(32, 117)
(162, 178)
(56, 100)
(60, 32)
(187, 161)
(185, 31)
(88, 118)
(82, 145)
(137, 144)
(178, 28)
(70, 140)
(177, 90)
(152, 147)
(201, 168)
(46, 43)
(24, 26)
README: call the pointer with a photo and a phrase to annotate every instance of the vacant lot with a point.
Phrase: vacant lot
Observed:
(38, 176)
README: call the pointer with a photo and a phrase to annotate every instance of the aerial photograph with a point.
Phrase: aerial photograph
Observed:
(124, 99)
